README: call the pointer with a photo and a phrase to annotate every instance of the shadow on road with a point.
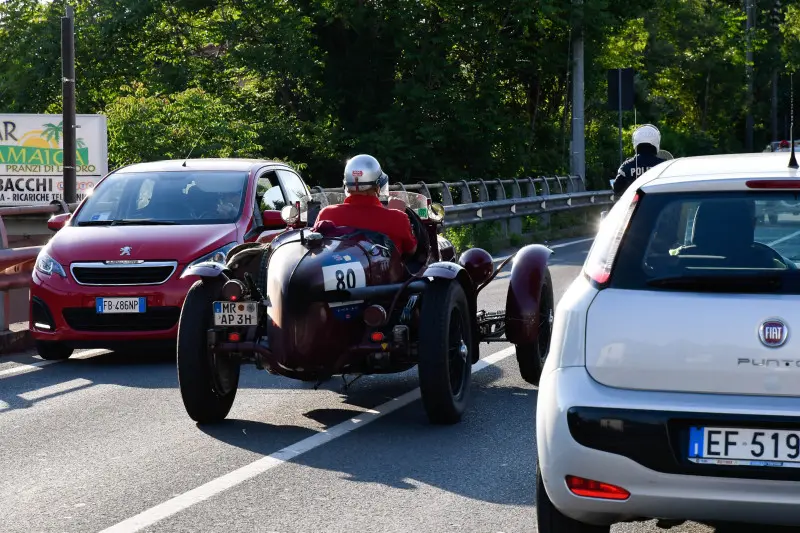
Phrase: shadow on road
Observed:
(489, 456)
(258, 437)
(132, 369)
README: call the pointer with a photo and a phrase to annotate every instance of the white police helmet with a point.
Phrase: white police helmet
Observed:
(364, 171)
(647, 133)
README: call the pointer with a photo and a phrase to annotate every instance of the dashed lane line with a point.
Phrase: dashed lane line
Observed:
(785, 238)
(216, 486)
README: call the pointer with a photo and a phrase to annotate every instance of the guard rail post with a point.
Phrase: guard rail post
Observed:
(545, 217)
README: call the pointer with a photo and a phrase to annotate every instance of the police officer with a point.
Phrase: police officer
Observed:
(646, 142)
(364, 182)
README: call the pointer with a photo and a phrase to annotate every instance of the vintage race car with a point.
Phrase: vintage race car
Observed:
(341, 301)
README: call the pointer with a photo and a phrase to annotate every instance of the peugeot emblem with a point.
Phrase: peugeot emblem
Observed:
(773, 333)
(125, 250)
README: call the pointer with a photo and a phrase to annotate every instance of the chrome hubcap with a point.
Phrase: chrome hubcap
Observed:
(463, 351)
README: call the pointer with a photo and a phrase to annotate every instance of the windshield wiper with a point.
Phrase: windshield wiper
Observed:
(128, 222)
(763, 282)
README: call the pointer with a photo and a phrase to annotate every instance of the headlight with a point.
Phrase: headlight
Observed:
(47, 265)
(220, 255)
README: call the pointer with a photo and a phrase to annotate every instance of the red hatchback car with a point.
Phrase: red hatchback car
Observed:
(111, 274)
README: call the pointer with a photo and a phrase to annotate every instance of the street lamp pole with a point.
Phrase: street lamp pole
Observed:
(68, 107)
(578, 166)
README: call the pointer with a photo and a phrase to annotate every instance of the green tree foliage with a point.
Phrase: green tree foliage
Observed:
(437, 90)
(144, 127)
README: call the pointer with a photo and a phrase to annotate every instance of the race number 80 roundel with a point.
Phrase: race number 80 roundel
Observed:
(344, 276)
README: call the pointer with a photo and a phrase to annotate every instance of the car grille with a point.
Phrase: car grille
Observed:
(154, 319)
(142, 274)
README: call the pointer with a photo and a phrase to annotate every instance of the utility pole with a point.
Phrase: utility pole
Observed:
(748, 141)
(578, 166)
(619, 106)
(68, 105)
(776, 32)
(774, 104)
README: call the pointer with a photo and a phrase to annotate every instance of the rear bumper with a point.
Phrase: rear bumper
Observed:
(636, 440)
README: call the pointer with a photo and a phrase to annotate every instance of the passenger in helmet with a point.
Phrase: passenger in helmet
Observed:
(646, 142)
(364, 182)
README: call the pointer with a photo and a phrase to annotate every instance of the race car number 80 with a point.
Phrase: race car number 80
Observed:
(344, 276)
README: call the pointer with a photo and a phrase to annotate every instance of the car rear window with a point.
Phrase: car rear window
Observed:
(712, 242)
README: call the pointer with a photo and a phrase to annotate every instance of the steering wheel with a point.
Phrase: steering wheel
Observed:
(421, 234)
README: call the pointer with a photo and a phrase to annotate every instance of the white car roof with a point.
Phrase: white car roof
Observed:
(717, 172)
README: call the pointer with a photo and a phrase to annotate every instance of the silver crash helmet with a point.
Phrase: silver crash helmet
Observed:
(362, 172)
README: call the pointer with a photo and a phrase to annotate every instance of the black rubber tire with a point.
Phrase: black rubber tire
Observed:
(444, 306)
(531, 357)
(551, 520)
(53, 351)
(196, 367)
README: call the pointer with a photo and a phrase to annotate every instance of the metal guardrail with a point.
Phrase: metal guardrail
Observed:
(465, 202)
(513, 199)
(16, 264)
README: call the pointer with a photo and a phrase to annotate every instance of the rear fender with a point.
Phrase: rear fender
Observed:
(524, 293)
(207, 270)
(444, 270)
(453, 271)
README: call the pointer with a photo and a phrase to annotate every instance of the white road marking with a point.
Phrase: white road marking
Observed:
(54, 389)
(552, 247)
(231, 479)
(23, 368)
(570, 243)
(785, 238)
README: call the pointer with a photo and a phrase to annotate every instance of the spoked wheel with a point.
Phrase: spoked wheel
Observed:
(531, 357)
(208, 382)
(445, 352)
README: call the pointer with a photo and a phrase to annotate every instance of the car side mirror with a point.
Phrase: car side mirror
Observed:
(57, 222)
(272, 219)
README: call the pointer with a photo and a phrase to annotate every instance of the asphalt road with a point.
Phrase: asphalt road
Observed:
(101, 442)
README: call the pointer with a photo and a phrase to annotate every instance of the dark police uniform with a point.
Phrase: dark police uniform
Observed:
(633, 168)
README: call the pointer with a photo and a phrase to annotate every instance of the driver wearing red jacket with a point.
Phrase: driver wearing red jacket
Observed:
(364, 181)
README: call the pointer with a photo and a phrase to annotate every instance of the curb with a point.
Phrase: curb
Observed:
(13, 342)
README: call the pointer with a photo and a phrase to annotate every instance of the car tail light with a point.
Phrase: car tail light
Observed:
(233, 290)
(606, 244)
(376, 336)
(773, 184)
(234, 337)
(589, 488)
(374, 316)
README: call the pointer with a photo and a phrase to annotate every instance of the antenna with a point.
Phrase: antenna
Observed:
(195, 145)
(792, 159)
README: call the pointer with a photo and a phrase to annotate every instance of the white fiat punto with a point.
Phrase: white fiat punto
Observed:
(672, 387)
